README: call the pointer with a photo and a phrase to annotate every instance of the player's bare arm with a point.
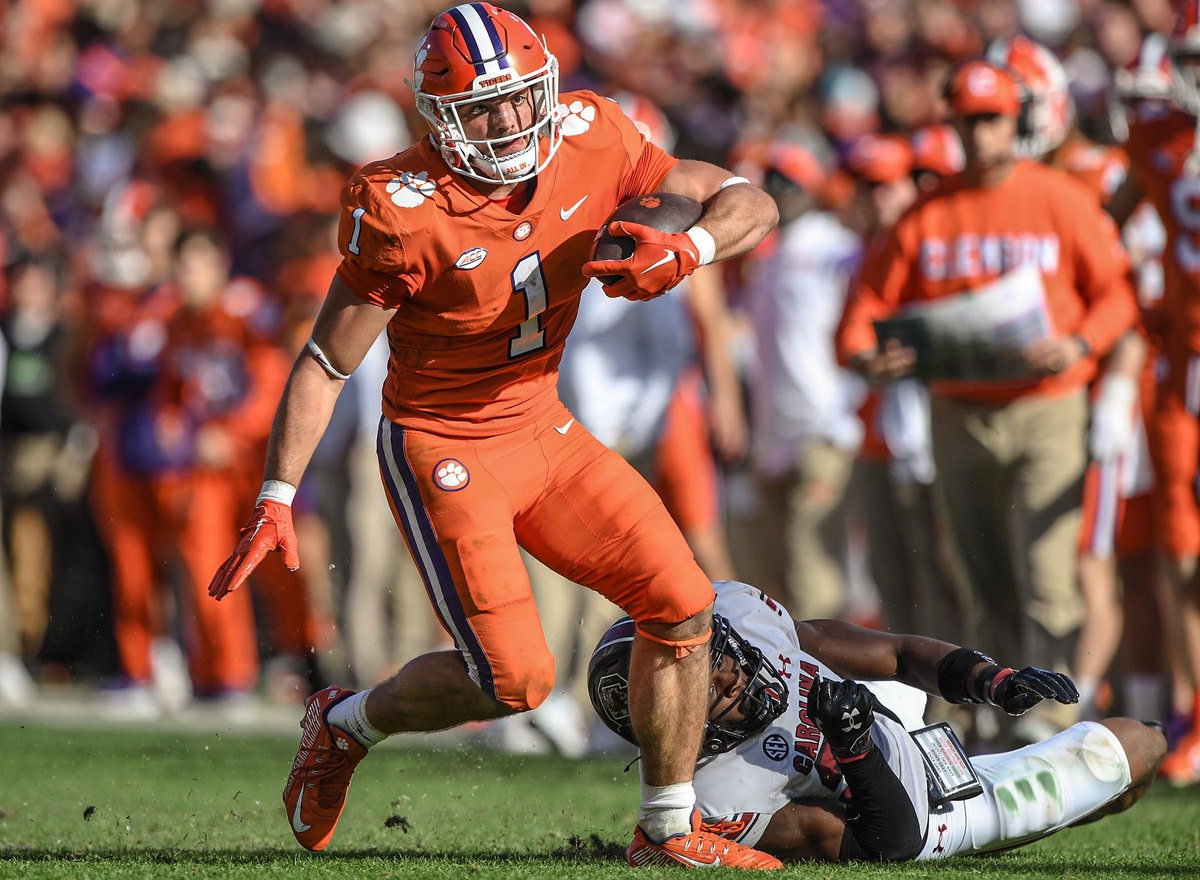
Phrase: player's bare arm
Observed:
(344, 331)
(737, 216)
(342, 334)
(810, 829)
(856, 652)
(959, 675)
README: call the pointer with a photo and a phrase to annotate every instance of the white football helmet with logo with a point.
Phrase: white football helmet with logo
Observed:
(477, 52)
(1048, 111)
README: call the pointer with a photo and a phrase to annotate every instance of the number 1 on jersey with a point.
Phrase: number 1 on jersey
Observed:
(529, 282)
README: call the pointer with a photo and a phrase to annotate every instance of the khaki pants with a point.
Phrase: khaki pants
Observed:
(907, 554)
(799, 534)
(1010, 479)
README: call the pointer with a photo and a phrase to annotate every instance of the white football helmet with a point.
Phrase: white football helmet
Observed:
(478, 52)
(1149, 76)
(1048, 111)
(1184, 49)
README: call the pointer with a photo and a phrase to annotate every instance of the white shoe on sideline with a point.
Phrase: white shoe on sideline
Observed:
(16, 684)
(513, 735)
(172, 683)
(560, 720)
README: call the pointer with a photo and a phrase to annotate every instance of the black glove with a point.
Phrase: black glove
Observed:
(844, 711)
(1018, 691)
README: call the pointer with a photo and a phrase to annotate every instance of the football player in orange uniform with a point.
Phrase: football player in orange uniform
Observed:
(1165, 154)
(1008, 445)
(468, 248)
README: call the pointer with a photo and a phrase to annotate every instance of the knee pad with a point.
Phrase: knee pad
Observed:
(527, 686)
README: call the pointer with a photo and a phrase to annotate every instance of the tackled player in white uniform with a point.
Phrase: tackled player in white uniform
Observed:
(811, 750)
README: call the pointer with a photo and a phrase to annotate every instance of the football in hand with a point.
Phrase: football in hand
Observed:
(666, 212)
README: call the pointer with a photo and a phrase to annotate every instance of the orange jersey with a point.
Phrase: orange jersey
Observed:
(961, 237)
(1159, 148)
(1100, 168)
(485, 296)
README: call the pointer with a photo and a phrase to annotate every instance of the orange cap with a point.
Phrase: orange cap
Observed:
(979, 87)
(937, 148)
(879, 158)
(797, 164)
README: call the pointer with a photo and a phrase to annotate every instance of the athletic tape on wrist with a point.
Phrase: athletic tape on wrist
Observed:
(319, 357)
(276, 490)
(705, 245)
(732, 181)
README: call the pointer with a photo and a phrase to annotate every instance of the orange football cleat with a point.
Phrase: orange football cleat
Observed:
(316, 788)
(700, 848)
(1181, 766)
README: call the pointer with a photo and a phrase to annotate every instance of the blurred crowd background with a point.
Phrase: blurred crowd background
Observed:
(169, 178)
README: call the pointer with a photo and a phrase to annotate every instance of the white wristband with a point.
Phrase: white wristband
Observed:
(315, 351)
(731, 182)
(276, 490)
(705, 246)
(1118, 392)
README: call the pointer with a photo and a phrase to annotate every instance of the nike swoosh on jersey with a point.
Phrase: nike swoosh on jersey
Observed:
(297, 823)
(565, 213)
(670, 255)
(563, 430)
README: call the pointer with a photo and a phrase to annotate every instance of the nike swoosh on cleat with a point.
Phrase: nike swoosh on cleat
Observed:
(715, 863)
(565, 213)
(563, 430)
(297, 823)
(670, 255)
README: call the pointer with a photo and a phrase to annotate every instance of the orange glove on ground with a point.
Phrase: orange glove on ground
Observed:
(660, 260)
(269, 529)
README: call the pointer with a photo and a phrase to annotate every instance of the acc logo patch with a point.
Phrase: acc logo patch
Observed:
(775, 747)
(523, 231)
(451, 475)
(469, 259)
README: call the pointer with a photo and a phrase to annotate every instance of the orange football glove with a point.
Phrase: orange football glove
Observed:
(660, 260)
(269, 529)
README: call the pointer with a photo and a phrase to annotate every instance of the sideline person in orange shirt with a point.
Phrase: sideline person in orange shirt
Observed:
(1010, 452)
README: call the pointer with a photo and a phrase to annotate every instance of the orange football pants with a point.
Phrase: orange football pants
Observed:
(1175, 448)
(201, 512)
(127, 518)
(465, 506)
(686, 475)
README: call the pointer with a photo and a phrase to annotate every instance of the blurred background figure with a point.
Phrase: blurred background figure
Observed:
(1048, 133)
(1165, 157)
(1009, 450)
(906, 553)
(804, 424)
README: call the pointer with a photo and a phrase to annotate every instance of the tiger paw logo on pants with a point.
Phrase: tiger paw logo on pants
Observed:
(451, 475)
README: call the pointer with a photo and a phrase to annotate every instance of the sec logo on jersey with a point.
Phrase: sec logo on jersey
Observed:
(775, 747)
(451, 475)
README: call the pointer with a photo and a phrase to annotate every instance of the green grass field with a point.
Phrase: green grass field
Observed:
(105, 803)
